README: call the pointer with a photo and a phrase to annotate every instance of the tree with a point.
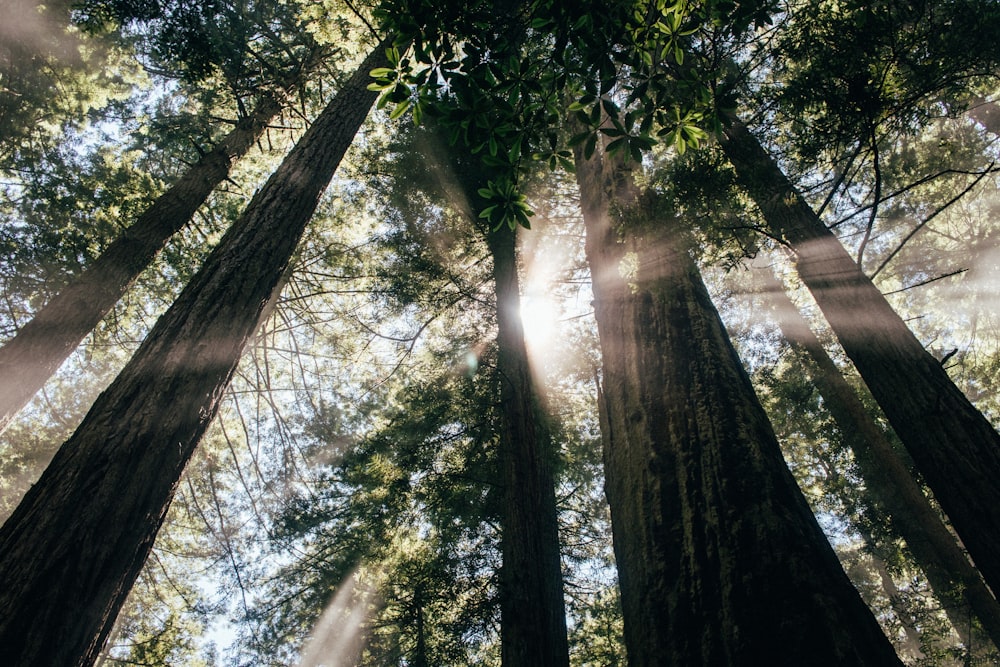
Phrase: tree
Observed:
(416, 503)
(954, 446)
(96, 509)
(730, 541)
(710, 529)
(533, 616)
(41, 345)
(893, 488)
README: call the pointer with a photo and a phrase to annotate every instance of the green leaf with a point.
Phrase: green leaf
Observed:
(595, 115)
(515, 150)
(590, 147)
(399, 110)
(635, 151)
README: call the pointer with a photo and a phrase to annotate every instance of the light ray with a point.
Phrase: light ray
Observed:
(339, 635)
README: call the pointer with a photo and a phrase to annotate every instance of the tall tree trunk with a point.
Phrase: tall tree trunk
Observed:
(892, 487)
(73, 547)
(29, 359)
(533, 614)
(953, 445)
(720, 560)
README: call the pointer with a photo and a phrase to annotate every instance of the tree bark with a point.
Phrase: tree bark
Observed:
(894, 490)
(532, 609)
(720, 560)
(953, 445)
(73, 547)
(29, 359)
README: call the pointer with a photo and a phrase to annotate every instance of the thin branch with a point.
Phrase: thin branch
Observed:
(840, 179)
(877, 195)
(926, 282)
(363, 19)
(926, 179)
(931, 217)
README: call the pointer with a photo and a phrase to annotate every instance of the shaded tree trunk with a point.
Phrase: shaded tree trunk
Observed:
(73, 547)
(953, 445)
(532, 609)
(29, 359)
(894, 490)
(720, 560)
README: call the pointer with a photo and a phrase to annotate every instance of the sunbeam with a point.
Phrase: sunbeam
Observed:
(339, 635)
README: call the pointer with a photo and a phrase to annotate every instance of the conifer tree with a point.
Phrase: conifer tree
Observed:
(75, 544)
(954, 446)
(710, 530)
(29, 359)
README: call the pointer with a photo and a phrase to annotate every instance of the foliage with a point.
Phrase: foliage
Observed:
(358, 437)
(626, 75)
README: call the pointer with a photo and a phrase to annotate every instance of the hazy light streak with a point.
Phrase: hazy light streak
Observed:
(338, 637)
(544, 263)
(31, 29)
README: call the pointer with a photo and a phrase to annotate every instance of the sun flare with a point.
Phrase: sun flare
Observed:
(539, 318)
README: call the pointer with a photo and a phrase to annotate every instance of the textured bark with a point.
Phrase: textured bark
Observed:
(73, 547)
(720, 560)
(888, 479)
(532, 609)
(954, 446)
(29, 359)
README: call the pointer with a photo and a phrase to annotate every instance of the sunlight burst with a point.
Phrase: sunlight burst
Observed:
(538, 316)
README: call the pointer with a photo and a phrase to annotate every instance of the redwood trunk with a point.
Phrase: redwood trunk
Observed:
(29, 359)
(953, 445)
(888, 479)
(73, 547)
(720, 560)
(533, 615)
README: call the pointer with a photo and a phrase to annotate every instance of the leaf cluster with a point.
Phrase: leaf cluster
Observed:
(504, 93)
